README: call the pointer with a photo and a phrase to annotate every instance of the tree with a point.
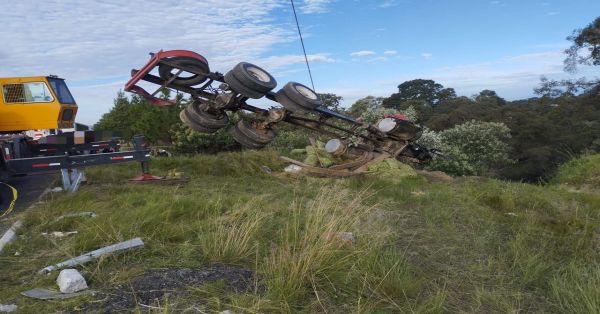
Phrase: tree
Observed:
(428, 91)
(553, 88)
(472, 148)
(489, 98)
(587, 39)
(332, 102)
(129, 117)
(363, 105)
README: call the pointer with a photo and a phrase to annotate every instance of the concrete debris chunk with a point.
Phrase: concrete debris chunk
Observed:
(8, 308)
(71, 281)
(56, 189)
(122, 246)
(292, 169)
(81, 214)
(58, 234)
(10, 235)
(47, 294)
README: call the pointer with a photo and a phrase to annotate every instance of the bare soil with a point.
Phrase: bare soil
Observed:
(154, 286)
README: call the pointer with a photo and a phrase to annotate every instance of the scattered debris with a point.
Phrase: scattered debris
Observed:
(266, 169)
(391, 169)
(417, 193)
(10, 234)
(58, 234)
(56, 189)
(127, 245)
(152, 287)
(174, 174)
(512, 214)
(293, 169)
(8, 308)
(71, 281)
(226, 312)
(341, 238)
(81, 214)
(47, 294)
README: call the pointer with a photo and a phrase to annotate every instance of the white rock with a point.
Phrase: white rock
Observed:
(292, 169)
(8, 308)
(70, 281)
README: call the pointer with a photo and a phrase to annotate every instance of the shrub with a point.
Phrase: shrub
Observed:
(472, 148)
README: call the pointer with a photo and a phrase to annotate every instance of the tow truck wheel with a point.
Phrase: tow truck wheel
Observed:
(200, 113)
(184, 116)
(302, 95)
(254, 77)
(289, 104)
(257, 135)
(166, 72)
(243, 139)
(238, 87)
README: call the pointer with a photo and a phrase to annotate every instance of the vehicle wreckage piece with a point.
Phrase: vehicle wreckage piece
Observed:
(215, 94)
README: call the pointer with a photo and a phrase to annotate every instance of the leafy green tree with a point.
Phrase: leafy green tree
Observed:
(586, 39)
(489, 98)
(129, 117)
(332, 102)
(363, 105)
(428, 91)
(473, 148)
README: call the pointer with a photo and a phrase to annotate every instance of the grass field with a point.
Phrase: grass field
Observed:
(473, 245)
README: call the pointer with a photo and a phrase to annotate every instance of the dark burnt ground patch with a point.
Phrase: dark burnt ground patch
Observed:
(157, 285)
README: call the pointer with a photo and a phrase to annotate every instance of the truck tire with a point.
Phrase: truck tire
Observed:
(302, 95)
(238, 87)
(254, 77)
(287, 103)
(244, 140)
(166, 71)
(260, 136)
(198, 112)
(184, 117)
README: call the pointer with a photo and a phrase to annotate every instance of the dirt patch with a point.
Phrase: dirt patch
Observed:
(173, 283)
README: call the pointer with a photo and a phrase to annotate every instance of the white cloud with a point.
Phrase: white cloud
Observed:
(553, 13)
(88, 41)
(427, 55)
(362, 53)
(315, 6)
(390, 52)
(387, 4)
(277, 62)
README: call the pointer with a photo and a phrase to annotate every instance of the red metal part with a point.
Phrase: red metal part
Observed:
(131, 86)
(147, 177)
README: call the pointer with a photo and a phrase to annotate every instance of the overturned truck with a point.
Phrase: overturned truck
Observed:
(214, 94)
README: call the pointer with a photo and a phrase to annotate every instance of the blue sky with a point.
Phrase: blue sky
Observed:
(356, 47)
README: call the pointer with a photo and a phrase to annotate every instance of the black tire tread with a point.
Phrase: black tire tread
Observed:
(164, 71)
(255, 135)
(298, 98)
(240, 73)
(183, 116)
(198, 113)
(239, 88)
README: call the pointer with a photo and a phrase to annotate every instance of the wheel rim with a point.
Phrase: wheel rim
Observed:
(258, 74)
(306, 92)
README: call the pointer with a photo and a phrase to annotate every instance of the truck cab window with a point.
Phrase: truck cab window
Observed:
(33, 92)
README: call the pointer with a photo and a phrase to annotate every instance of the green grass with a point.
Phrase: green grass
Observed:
(581, 173)
(475, 245)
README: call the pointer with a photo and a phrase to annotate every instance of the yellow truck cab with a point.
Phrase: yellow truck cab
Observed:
(38, 102)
